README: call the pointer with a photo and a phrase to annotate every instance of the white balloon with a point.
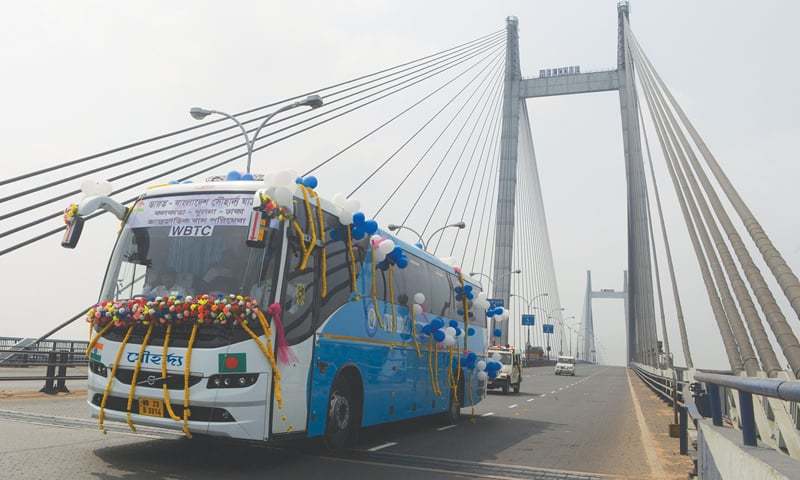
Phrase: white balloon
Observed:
(481, 365)
(482, 376)
(419, 298)
(346, 218)
(283, 178)
(386, 246)
(104, 188)
(375, 239)
(269, 180)
(339, 199)
(450, 331)
(481, 297)
(449, 341)
(352, 204)
(496, 357)
(417, 309)
(380, 256)
(283, 196)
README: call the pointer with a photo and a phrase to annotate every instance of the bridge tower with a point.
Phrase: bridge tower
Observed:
(589, 344)
(640, 312)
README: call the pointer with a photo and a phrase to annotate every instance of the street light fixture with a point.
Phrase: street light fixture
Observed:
(481, 274)
(313, 101)
(392, 227)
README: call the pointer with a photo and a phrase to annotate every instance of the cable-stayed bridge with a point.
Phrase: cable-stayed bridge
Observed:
(466, 183)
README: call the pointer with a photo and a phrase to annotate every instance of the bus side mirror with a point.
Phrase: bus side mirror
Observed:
(73, 232)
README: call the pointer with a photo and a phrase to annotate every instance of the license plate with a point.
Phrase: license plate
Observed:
(152, 407)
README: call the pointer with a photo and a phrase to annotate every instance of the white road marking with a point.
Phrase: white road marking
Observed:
(553, 392)
(381, 447)
(644, 432)
(529, 400)
(446, 427)
(513, 406)
(487, 414)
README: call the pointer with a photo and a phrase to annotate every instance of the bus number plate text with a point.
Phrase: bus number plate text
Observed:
(152, 407)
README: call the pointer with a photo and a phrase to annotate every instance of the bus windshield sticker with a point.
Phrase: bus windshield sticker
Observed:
(194, 213)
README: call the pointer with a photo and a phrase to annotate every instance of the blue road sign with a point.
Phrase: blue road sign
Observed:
(529, 319)
(547, 328)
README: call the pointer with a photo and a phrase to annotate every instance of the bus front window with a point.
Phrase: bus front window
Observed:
(154, 260)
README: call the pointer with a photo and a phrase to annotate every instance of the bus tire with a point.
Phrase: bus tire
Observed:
(343, 419)
(516, 386)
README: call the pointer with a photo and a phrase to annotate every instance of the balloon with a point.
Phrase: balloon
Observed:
(339, 199)
(470, 331)
(352, 204)
(269, 180)
(449, 341)
(439, 335)
(358, 217)
(346, 218)
(310, 182)
(481, 365)
(419, 298)
(498, 332)
(450, 331)
(402, 262)
(437, 323)
(283, 178)
(248, 176)
(282, 195)
(233, 176)
(298, 180)
(482, 376)
(499, 310)
(386, 247)
(458, 332)
(371, 226)
(417, 309)
(358, 234)
(380, 256)
(453, 323)
(427, 329)
(375, 240)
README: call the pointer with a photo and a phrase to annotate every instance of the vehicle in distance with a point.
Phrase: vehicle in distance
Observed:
(510, 375)
(565, 365)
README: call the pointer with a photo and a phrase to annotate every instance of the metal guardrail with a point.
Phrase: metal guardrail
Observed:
(56, 355)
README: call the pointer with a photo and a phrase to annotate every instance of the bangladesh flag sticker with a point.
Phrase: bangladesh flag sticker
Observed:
(232, 362)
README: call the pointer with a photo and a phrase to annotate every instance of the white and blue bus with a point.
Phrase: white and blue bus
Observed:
(359, 352)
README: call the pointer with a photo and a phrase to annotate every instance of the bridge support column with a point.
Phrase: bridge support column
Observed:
(507, 183)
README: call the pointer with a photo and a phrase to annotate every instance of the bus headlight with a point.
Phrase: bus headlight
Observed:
(232, 380)
(98, 368)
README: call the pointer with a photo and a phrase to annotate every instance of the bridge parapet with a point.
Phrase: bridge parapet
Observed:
(713, 406)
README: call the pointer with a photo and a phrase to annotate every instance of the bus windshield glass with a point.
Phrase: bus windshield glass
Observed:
(189, 245)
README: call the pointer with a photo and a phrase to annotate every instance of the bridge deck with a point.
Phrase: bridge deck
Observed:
(557, 427)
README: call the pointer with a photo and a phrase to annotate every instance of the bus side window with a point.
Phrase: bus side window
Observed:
(441, 301)
(300, 287)
(412, 280)
(338, 271)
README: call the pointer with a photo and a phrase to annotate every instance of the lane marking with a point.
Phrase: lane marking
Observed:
(446, 427)
(529, 400)
(381, 447)
(644, 432)
(513, 406)
(487, 414)
(553, 392)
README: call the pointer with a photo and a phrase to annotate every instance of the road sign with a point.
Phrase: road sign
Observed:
(547, 328)
(529, 319)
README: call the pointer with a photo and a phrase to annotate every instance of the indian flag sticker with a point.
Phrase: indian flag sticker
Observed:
(97, 352)
(232, 362)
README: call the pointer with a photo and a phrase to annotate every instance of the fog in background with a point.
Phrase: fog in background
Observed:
(81, 77)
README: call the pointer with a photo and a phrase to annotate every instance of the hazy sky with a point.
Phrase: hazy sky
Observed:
(80, 77)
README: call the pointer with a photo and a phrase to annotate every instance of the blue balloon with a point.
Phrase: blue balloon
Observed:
(498, 332)
(248, 176)
(427, 330)
(458, 331)
(419, 245)
(310, 182)
(468, 288)
(298, 180)
(470, 295)
(438, 335)
(403, 262)
(370, 226)
(458, 289)
(358, 218)
(472, 356)
(453, 323)
(437, 323)
(358, 233)
(470, 331)
(492, 375)
(233, 175)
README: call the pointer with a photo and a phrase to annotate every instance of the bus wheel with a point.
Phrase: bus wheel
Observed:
(342, 424)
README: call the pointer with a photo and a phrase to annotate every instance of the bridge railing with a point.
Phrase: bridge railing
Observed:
(711, 406)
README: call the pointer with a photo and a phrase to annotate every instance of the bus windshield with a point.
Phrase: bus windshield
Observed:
(188, 245)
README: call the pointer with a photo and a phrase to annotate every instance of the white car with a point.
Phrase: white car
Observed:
(565, 366)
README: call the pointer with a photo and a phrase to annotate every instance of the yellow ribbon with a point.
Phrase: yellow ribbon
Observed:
(413, 316)
(101, 416)
(311, 226)
(321, 217)
(135, 376)
(352, 257)
(378, 316)
(164, 389)
(186, 372)
(392, 299)
(97, 337)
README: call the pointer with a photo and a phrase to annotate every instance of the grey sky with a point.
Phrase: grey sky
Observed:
(79, 77)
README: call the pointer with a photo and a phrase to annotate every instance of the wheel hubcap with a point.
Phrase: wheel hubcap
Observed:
(340, 411)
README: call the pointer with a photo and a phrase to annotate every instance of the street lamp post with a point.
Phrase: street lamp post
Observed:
(481, 274)
(313, 101)
(459, 225)
(529, 308)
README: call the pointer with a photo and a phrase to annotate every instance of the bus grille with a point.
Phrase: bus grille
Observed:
(154, 380)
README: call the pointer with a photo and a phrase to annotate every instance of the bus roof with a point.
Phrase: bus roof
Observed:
(252, 185)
